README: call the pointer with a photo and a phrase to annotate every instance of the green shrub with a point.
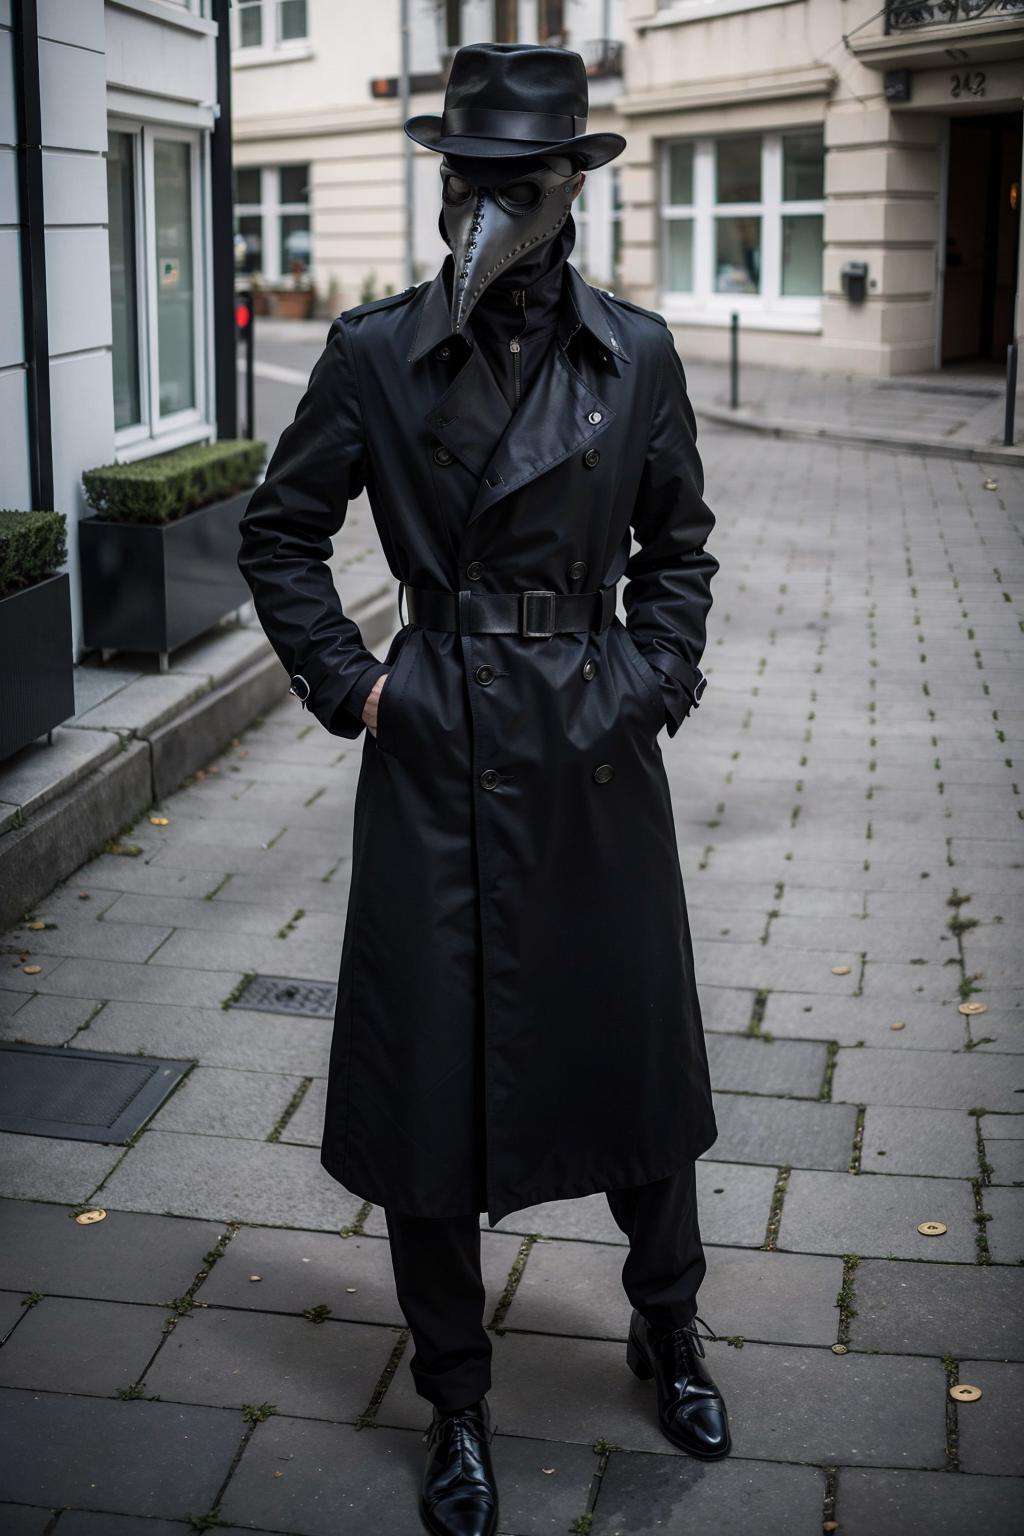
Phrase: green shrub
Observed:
(160, 489)
(32, 547)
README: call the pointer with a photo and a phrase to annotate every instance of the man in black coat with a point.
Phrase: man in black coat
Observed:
(517, 1015)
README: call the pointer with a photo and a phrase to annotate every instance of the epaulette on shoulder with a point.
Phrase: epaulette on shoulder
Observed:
(652, 314)
(389, 302)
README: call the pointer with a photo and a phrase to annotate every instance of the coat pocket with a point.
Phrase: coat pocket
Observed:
(389, 704)
(646, 675)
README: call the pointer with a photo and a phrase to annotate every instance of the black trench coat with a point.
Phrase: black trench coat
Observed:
(517, 1019)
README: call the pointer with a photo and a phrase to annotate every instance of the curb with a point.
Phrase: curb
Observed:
(76, 825)
(894, 442)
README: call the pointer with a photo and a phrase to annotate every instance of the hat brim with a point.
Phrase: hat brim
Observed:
(590, 149)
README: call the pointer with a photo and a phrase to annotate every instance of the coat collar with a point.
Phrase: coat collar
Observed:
(582, 307)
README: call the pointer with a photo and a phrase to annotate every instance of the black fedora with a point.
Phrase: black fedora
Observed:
(515, 101)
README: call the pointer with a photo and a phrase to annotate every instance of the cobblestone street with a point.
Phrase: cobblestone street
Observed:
(848, 804)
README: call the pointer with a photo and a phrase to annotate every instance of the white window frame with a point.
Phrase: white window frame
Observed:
(272, 49)
(269, 210)
(154, 432)
(770, 308)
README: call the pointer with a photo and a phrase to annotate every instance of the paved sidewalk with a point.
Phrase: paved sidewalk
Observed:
(848, 800)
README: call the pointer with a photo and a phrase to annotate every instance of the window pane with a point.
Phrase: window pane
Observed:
(737, 255)
(175, 280)
(680, 174)
(250, 25)
(802, 242)
(247, 184)
(295, 243)
(249, 243)
(803, 166)
(679, 277)
(294, 184)
(738, 170)
(124, 301)
(291, 20)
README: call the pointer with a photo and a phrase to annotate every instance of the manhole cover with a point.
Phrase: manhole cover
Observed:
(289, 994)
(81, 1095)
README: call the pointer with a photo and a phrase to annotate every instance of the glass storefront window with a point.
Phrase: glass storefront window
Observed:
(802, 246)
(738, 170)
(175, 279)
(124, 298)
(737, 255)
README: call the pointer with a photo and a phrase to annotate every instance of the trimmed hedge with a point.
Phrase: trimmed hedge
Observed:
(160, 489)
(33, 546)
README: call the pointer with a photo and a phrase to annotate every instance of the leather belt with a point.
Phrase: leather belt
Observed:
(533, 615)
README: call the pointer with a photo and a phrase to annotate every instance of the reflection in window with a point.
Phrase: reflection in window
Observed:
(737, 255)
(175, 287)
(124, 299)
(738, 170)
(803, 167)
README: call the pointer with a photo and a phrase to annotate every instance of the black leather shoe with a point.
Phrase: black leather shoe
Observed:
(459, 1495)
(691, 1412)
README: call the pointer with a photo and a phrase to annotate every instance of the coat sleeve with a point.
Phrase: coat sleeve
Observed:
(667, 593)
(319, 465)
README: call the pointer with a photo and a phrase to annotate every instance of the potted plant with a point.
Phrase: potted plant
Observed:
(37, 689)
(294, 296)
(159, 557)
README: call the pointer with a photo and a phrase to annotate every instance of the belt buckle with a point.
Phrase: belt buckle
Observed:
(527, 627)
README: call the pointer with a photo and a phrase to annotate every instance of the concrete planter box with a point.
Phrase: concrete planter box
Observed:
(37, 687)
(155, 586)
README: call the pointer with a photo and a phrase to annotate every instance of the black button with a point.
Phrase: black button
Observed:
(443, 456)
(589, 671)
(443, 354)
(474, 570)
(578, 570)
(485, 675)
(488, 779)
(591, 459)
(604, 774)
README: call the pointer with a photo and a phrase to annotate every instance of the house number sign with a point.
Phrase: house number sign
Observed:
(970, 83)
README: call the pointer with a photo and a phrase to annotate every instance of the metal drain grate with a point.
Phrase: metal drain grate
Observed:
(288, 994)
(81, 1095)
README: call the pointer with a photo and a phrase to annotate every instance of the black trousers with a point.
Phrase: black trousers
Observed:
(441, 1292)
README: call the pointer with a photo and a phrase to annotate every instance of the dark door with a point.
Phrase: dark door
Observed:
(982, 233)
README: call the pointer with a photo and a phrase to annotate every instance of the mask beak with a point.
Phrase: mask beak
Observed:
(482, 237)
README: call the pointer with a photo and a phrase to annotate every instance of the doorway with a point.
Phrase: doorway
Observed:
(982, 234)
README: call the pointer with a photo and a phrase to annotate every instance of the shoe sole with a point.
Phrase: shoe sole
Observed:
(437, 1530)
(642, 1369)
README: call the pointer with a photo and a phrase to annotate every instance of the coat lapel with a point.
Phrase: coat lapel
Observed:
(471, 414)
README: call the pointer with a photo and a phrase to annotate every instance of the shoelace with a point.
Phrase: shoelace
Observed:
(688, 1339)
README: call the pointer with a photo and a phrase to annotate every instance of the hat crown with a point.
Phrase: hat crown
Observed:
(518, 77)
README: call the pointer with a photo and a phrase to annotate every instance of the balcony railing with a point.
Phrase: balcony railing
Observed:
(905, 15)
(603, 57)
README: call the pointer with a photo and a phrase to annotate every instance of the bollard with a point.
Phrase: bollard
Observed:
(1011, 394)
(734, 360)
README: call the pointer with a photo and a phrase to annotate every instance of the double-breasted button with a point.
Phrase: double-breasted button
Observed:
(594, 418)
(489, 779)
(589, 670)
(485, 675)
(578, 570)
(443, 354)
(604, 773)
(474, 570)
(443, 456)
(591, 459)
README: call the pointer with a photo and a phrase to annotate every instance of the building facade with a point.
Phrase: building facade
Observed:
(118, 361)
(843, 176)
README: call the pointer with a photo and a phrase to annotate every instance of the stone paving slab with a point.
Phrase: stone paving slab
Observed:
(123, 981)
(138, 1458)
(644, 1495)
(576, 1289)
(126, 1257)
(44, 1020)
(1005, 1228)
(80, 1522)
(215, 1101)
(878, 1216)
(939, 1309)
(306, 1125)
(750, 1065)
(853, 1021)
(22, 1520)
(46, 1168)
(1002, 1127)
(214, 1037)
(226, 1359)
(991, 1431)
(799, 1133)
(96, 1346)
(925, 1141)
(12, 1310)
(875, 1503)
(222, 1179)
(932, 1080)
(880, 1410)
(87, 937)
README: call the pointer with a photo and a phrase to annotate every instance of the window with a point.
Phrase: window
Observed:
(743, 224)
(272, 226)
(155, 230)
(551, 23)
(269, 24)
(506, 21)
